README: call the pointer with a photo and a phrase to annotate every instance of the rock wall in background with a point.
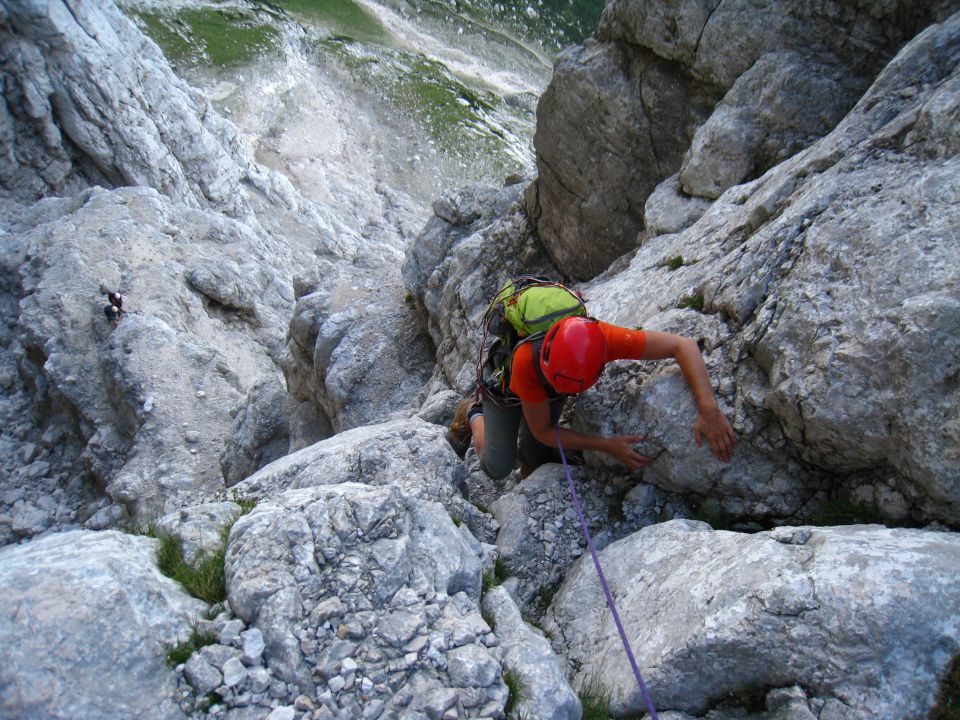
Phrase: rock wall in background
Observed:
(153, 194)
(119, 612)
(718, 92)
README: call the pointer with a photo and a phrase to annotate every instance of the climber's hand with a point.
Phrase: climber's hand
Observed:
(621, 447)
(714, 426)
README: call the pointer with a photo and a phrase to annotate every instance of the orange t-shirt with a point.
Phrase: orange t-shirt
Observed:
(621, 344)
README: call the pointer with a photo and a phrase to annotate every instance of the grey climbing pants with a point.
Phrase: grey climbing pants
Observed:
(503, 425)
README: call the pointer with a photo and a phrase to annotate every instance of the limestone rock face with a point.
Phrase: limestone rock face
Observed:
(79, 607)
(612, 123)
(407, 452)
(813, 315)
(621, 112)
(709, 613)
(547, 694)
(354, 365)
(71, 116)
(815, 262)
(152, 395)
(540, 536)
(668, 209)
(261, 431)
(205, 245)
(781, 105)
(478, 240)
(349, 573)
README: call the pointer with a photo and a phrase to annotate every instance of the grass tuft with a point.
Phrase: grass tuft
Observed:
(204, 579)
(842, 512)
(516, 690)
(674, 263)
(489, 619)
(595, 701)
(246, 504)
(948, 701)
(181, 653)
(495, 575)
(694, 302)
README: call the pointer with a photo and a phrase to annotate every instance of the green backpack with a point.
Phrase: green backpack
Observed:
(522, 311)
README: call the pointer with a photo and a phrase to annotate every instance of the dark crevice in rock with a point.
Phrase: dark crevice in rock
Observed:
(654, 145)
(696, 47)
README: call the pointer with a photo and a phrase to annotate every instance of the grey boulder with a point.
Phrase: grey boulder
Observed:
(81, 607)
(859, 616)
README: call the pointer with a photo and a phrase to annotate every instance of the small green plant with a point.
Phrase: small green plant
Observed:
(595, 701)
(694, 302)
(203, 579)
(948, 701)
(674, 263)
(489, 619)
(843, 512)
(544, 598)
(181, 653)
(496, 575)
(516, 689)
(146, 527)
(207, 701)
(246, 504)
(489, 580)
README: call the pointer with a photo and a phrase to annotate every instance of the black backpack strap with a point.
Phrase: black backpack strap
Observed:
(537, 340)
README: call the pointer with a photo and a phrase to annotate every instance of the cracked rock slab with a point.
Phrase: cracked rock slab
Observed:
(711, 612)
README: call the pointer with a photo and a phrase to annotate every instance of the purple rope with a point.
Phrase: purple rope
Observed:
(603, 581)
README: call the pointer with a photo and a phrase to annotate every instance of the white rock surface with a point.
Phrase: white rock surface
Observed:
(862, 617)
(79, 607)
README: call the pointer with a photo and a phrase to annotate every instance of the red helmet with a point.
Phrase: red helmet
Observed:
(572, 354)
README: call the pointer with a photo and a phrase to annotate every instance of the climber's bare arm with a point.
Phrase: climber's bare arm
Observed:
(711, 423)
(537, 415)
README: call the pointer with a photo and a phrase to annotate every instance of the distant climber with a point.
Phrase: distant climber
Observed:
(114, 311)
(548, 348)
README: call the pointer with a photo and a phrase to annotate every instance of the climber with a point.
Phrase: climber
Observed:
(567, 360)
(114, 311)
